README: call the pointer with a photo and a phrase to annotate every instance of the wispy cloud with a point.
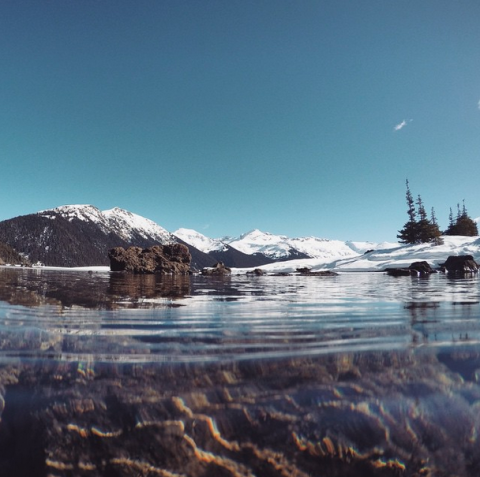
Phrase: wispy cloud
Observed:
(402, 125)
(478, 104)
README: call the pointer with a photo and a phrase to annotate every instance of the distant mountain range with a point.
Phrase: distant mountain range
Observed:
(81, 235)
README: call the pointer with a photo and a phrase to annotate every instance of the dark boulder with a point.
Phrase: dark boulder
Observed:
(218, 270)
(422, 268)
(461, 264)
(257, 272)
(398, 272)
(163, 259)
(414, 270)
(322, 273)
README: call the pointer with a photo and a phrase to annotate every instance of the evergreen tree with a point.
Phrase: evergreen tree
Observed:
(436, 234)
(423, 224)
(451, 224)
(428, 231)
(463, 225)
(409, 234)
(419, 228)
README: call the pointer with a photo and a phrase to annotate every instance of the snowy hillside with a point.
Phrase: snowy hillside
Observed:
(200, 241)
(404, 255)
(386, 256)
(128, 225)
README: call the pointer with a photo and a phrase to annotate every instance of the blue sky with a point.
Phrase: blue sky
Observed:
(294, 117)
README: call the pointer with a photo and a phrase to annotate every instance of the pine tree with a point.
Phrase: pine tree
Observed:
(428, 231)
(436, 234)
(409, 233)
(463, 225)
(451, 224)
(419, 228)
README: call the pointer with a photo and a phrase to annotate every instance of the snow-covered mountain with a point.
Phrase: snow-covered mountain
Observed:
(200, 241)
(82, 235)
(280, 247)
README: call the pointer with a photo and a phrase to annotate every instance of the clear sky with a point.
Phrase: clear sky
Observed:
(296, 117)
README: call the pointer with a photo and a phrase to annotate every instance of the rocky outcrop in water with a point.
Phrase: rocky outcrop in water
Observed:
(310, 273)
(415, 269)
(218, 270)
(461, 264)
(164, 259)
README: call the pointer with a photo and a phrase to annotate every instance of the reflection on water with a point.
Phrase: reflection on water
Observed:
(119, 375)
(101, 291)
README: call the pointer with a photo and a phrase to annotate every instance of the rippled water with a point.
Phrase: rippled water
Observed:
(356, 374)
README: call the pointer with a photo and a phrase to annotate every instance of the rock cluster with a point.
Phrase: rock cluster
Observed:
(164, 259)
(458, 265)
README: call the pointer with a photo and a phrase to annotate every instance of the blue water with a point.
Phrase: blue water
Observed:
(358, 374)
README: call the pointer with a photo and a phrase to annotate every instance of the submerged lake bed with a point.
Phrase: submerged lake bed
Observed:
(110, 374)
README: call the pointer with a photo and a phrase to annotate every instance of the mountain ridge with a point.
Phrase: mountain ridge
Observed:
(81, 235)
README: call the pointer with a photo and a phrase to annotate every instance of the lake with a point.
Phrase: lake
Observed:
(360, 374)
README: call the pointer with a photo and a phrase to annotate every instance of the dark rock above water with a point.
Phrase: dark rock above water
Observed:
(461, 264)
(322, 273)
(415, 269)
(164, 259)
(218, 269)
(257, 272)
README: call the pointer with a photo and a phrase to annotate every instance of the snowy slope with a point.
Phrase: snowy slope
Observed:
(404, 255)
(392, 255)
(200, 241)
(129, 225)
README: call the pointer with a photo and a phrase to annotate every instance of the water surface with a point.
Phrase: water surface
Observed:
(358, 374)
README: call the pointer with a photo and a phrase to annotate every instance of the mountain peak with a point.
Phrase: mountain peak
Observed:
(200, 241)
(84, 213)
(128, 225)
